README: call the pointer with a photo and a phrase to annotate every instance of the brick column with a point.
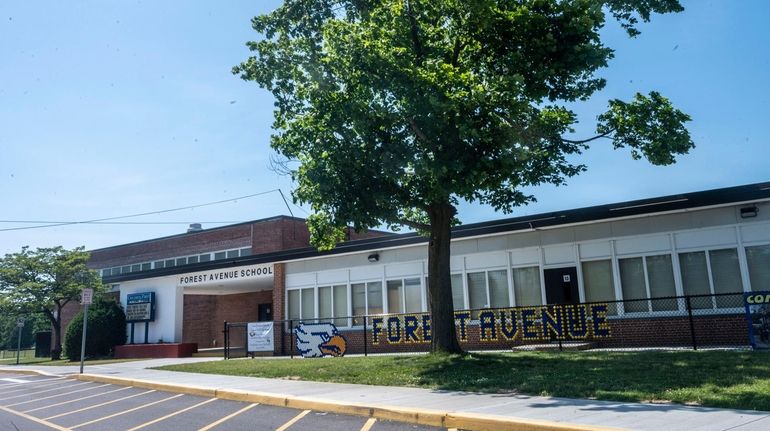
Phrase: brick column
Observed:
(279, 295)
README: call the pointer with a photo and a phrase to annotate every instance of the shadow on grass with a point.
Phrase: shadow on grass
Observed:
(718, 379)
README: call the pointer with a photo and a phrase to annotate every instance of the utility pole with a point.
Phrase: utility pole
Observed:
(20, 325)
(85, 298)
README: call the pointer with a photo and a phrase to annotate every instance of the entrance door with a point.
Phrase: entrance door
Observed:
(265, 312)
(561, 286)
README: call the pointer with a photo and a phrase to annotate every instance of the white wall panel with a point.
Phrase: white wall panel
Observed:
(332, 277)
(456, 263)
(295, 280)
(404, 269)
(486, 260)
(525, 256)
(559, 254)
(523, 239)
(593, 250)
(366, 273)
(705, 238)
(492, 243)
(758, 232)
(642, 244)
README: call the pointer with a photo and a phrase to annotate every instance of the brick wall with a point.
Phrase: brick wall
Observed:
(204, 315)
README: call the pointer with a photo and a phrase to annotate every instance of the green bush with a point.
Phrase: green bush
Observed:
(106, 329)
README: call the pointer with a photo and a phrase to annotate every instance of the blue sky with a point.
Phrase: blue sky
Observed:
(111, 108)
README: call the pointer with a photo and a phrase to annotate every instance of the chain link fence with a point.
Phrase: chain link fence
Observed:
(681, 322)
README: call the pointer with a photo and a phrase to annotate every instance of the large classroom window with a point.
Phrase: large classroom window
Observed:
(301, 304)
(598, 284)
(333, 302)
(404, 296)
(526, 286)
(647, 277)
(366, 299)
(488, 289)
(713, 271)
(758, 259)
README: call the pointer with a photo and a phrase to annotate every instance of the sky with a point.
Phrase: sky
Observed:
(115, 108)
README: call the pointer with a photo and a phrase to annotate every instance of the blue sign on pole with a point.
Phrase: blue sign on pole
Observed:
(140, 307)
(758, 318)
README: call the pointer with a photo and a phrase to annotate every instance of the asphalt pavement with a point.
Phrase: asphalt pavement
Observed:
(431, 408)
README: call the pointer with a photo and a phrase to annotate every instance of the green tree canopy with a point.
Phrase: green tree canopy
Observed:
(395, 110)
(44, 281)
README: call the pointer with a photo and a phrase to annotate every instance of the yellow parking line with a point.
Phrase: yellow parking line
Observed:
(369, 424)
(55, 396)
(286, 426)
(98, 405)
(34, 419)
(228, 417)
(41, 392)
(76, 400)
(154, 421)
(127, 411)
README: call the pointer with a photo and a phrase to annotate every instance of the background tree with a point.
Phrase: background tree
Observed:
(395, 110)
(45, 280)
(106, 329)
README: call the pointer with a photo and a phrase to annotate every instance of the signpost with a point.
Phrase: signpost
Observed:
(86, 298)
(140, 307)
(20, 325)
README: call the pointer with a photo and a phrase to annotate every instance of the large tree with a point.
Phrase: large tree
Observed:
(44, 281)
(396, 110)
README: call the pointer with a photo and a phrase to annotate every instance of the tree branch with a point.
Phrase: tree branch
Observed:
(414, 28)
(585, 141)
(413, 224)
(417, 131)
(456, 52)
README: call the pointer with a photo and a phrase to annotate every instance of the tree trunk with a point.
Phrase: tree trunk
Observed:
(444, 334)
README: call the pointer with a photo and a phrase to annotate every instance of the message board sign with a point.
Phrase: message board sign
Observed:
(260, 336)
(140, 307)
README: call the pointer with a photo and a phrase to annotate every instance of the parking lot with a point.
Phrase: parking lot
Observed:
(36, 403)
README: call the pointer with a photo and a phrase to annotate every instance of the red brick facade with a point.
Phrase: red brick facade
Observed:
(204, 315)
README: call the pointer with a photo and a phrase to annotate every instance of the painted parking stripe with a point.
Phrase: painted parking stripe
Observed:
(170, 415)
(29, 385)
(369, 424)
(286, 426)
(34, 419)
(98, 405)
(126, 411)
(12, 380)
(76, 400)
(228, 417)
(56, 396)
(41, 392)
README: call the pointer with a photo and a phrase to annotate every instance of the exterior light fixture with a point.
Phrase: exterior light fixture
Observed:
(749, 212)
(374, 257)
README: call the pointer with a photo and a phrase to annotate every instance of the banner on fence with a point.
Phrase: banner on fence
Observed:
(543, 323)
(758, 317)
(260, 336)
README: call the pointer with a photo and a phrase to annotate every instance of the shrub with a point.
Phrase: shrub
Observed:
(106, 329)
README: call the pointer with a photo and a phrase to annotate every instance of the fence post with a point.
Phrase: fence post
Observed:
(291, 338)
(227, 341)
(692, 323)
(366, 349)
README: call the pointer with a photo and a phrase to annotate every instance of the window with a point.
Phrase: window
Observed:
(245, 252)
(192, 259)
(169, 263)
(136, 267)
(366, 299)
(106, 272)
(458, 292)
(404, 296)
(232, 253)
(477, 290)
(526, 286)
(158, 264)
(308, 304)
(204, 257)
(758, 258)
(301, 304)
(598, 282)
(294, 304)
(125, 269)
(333, 302)
(146, 266)
(220, 255)
(181, 261)
(647, 277)
(720, 274)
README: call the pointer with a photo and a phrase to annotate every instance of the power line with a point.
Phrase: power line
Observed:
(107, 219)
(59, 222)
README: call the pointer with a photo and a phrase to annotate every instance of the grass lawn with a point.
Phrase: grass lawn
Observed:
(729, 379)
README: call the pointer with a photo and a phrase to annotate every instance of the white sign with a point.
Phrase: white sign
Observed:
(221, 276)
(20, 322)
(260, 336)
(87, 297)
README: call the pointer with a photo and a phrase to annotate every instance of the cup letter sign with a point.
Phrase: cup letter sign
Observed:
(140, 307)
(87, 297)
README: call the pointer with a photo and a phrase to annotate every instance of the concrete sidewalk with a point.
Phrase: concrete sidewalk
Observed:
(433, 407)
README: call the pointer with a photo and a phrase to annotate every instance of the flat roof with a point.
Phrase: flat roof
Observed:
(672, 203)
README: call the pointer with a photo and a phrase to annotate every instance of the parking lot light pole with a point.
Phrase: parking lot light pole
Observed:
(20, 325)
(86, 299)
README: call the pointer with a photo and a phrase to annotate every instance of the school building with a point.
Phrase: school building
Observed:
(703, 243)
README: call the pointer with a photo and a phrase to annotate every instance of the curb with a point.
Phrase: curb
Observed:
(464, 421)
(29, 372)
